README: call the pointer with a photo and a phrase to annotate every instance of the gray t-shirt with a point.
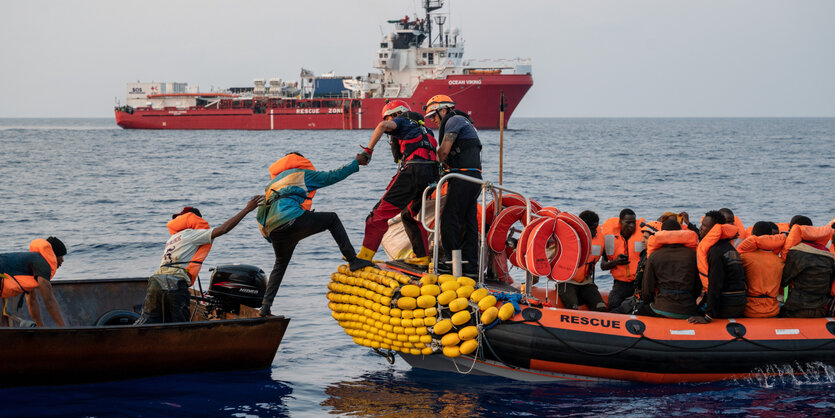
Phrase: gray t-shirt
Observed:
(25, 264)
(461, 126)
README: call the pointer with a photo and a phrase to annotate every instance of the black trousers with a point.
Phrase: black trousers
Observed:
(286, 237)
(620, 291)
(459, 224)
(574, 295)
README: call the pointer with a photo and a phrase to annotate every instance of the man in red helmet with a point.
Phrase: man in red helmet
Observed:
(413, 147)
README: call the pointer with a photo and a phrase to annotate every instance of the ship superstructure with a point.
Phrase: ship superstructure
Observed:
(412, 66)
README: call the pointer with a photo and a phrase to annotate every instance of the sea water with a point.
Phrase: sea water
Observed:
(108, 193)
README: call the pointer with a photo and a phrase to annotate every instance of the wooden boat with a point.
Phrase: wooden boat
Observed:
(100, 342)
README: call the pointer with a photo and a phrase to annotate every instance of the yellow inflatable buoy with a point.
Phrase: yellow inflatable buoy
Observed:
(466, 281)
(447, 297)
(428, 279)
(395, 312)
(461, 318)
(429, 321)
(464, 291)
(468, 347)
(452, 351)
(430, 312)
(450, 285)
(430, 289)
(468, 333)
(458, 304)
(406, 303)
(442, 327)
(506, 311)
(450, 339)
(489, 315)
(445, 278)
(426, 301)
(407, 314)
(487, 302)
(410, 290)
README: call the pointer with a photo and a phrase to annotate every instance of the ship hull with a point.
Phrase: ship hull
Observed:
(477, 95)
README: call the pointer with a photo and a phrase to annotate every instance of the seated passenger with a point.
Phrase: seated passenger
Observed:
(763, 269)
(623, 260)
(30, 273)
(581, 290)
(734, 220)
(671, 279)
(809, 270)
(720, 270)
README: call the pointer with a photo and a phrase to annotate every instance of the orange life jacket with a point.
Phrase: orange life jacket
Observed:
(741, 229)
(594, 257)
(191, 221)
(624, 272)
(44, 248)
(818, 234)
(718, 232)
(288, 162)
(763, 271)
(685, 236)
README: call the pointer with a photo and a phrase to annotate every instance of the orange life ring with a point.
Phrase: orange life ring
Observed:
(500, 228)
(583, 233)
(536, 251)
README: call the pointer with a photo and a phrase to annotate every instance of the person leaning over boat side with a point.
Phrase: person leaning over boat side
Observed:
(459, 152)
(581, 290)
(167, 298)
(763, 270)
(30, 273)
(671, 279)
(725, 295)
(623, 262)
(284, 217)
(809, 270)
(413, 146)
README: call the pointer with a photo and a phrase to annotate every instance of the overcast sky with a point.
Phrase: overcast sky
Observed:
(590, 58)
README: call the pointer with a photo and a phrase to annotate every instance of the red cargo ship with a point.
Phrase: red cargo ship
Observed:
(413, 66)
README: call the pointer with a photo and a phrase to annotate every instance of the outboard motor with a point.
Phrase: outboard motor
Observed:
(233, 285)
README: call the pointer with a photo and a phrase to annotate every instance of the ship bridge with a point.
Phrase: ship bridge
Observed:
(411, 54)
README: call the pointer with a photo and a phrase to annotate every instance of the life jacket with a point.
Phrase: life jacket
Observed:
(685, 237)
(461, 146)
(44, 248)
(596, 252)
(763, 271)
(423, 146)
(817, 234)
(181, 223)
(718, 232)
(741, 229)
(773, 243)
(625, 272)
(288, 162)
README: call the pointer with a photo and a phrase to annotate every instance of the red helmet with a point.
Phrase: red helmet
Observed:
(395, 106)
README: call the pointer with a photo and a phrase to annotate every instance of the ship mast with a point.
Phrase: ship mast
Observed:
(431, 6)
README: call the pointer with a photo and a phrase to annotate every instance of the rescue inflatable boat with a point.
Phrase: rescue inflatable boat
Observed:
(458, 324)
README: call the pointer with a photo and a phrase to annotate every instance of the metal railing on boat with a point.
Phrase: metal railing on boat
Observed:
(486, 187)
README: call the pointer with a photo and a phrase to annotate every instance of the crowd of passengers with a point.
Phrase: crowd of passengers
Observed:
(672, 268)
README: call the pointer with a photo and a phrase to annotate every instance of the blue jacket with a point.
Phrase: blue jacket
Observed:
(288, 190)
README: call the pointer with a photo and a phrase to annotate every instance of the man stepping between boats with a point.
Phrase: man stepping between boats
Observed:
(30, 273)
(191, 239)
(285, 217)
(413, 147)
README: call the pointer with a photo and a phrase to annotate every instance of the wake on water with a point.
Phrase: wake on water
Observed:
(797, 374)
